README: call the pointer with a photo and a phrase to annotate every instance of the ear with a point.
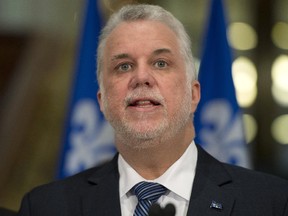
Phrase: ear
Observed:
(99, 98)
(196, 95)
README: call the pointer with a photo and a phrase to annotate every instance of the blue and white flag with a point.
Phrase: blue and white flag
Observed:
(218, 119)
(89, 138)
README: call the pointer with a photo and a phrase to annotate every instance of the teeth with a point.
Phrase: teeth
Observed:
(146, 102)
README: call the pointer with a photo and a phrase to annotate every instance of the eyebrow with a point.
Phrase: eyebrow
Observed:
(155, 52)
(120, 56)
(162, 50)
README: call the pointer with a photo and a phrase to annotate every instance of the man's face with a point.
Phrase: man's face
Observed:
(145, 91)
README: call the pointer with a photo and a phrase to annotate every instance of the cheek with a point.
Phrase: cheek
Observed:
(115, 91)
(178, 85)
(174, 93)
(115, 83)
(114, 95)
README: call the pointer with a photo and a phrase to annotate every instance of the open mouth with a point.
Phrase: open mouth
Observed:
(143, 103)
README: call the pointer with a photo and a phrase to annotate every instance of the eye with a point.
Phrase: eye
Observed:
(161, 64)
(124, 67)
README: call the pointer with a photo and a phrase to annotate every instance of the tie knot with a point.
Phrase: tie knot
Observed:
(149, 191)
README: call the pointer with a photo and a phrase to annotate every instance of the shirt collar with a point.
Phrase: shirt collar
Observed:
(182, 172)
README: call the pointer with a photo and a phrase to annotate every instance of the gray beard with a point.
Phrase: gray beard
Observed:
(126, 134)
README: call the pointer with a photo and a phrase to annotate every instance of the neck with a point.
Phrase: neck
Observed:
(152, 160)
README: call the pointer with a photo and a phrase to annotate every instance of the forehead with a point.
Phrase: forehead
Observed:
(141, 35)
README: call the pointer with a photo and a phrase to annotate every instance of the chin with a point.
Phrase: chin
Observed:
(147, 130)
(141, 143)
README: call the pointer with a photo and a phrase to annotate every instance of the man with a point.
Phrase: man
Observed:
(149, 93)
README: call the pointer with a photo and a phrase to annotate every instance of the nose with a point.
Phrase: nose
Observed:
(142, 76)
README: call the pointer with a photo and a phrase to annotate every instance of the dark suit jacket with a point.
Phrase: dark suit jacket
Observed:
(95, 192)
(6, 212)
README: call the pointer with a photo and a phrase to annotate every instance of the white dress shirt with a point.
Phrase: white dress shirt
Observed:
(178, 179)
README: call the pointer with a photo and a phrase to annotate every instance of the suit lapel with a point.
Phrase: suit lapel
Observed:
(209, 196)
(102, 196)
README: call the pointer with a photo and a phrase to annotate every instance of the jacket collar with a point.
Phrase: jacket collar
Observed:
(103, 193)
(209, 196)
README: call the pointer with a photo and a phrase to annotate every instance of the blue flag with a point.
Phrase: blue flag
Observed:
(218, 119)
(89, 138)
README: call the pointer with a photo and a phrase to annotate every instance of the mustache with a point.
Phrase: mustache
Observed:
(140, 93)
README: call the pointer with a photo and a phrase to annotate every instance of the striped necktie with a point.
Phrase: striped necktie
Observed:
(147, 194)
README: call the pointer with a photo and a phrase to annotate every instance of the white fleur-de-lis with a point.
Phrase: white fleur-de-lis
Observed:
(222, 134)
(91, 138)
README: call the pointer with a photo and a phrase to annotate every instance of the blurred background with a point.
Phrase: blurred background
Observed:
(38, 50)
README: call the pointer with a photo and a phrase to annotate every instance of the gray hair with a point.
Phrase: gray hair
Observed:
(136, 12)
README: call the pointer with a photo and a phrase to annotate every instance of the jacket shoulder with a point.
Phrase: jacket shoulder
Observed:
(255, 179)
(66, 192)
(79, 180)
